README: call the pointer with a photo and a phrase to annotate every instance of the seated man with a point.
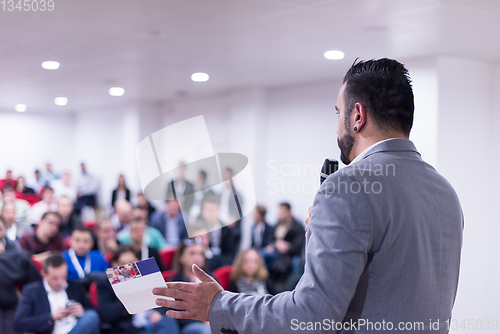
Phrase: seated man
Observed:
(48, 203)
(106, 238)
(15, 268)
(170, 223)
(81, 259)
(69, 219)
(15, 228)
(46, 237)
(55, 305)
(22, 206)
(153, 237)
(138, 227)
(114, 313)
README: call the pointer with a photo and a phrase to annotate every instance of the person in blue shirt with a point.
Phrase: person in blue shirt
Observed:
(81, 260)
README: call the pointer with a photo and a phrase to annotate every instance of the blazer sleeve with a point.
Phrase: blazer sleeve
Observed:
(330, 278)
(25, 319)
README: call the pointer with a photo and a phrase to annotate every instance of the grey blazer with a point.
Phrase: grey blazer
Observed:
(382, 251)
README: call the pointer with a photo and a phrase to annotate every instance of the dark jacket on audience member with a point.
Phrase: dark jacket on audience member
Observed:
(113, 196)
(33, 312)
(159, 221)
(32, 244)
(153, 252)
(267, 236)
(15, 267)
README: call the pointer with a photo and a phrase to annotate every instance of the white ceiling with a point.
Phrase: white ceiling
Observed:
(151, 48)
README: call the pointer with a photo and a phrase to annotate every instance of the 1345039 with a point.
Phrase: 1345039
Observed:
(27, 5)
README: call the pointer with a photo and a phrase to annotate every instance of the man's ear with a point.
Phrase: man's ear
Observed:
(358, 117)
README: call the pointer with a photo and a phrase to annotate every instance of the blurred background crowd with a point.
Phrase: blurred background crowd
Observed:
(56, 243)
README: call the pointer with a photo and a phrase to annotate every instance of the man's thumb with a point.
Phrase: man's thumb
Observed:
(202, 276)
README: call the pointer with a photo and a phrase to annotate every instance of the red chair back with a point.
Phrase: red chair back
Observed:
(93, 295)
(167, 257)
(168, 274)
(90, 224)
(223, 275)
(38, 265)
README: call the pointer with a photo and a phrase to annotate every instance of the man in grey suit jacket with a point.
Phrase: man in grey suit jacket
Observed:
(384, 238)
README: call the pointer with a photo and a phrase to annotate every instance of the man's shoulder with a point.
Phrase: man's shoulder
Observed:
(33, 287)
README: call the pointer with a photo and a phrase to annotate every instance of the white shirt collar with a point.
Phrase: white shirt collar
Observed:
(362, 154)
(50, 290)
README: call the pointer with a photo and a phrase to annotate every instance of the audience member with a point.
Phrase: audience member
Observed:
(15, 268)
(261, 231)
(138, 239)
(189, 252)
(64, 187)
(6, 244)
(143, 203)
(45, 239)
(224, 241)
(87, 189)
(153, 237)
(22, 206)
(48, 175)
(249, 274)
(38, 183)
(69, 219)
(121, 192)
(15, 229)
(55, 305)
(180, 187)
(106, 238)
(22, 188)
(229, 211)
(8, 181)
(122, 215)
(48, 203)
(288, 241)
(170, 223)
(81, 259)
(116, 316)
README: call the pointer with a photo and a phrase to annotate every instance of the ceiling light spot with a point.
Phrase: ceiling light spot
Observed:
(334, 54)
(50, 65)
(61, 101)
(21, 107)
(200, 77)
(116, 91)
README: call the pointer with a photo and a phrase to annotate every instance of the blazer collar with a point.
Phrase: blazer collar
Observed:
(393, 145)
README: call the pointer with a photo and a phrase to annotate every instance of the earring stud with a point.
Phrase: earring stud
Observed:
(355, 128)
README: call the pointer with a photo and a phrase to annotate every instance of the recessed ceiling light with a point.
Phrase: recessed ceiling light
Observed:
(21, 107)
(200, 77)
(116, 91)
(334, 54)
(61, 101)
(50, 65)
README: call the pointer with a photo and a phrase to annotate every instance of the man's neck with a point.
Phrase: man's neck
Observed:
(365, 142)
(10, 223)
(137, 244)
(82, 254)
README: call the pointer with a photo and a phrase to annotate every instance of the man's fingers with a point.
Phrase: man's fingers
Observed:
(189, 287)
(177, 304)
(202, 276)
(180, 314)
(174, 293)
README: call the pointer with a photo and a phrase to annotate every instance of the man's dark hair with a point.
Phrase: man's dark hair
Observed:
(383, 87)
(286, 205)
(82, 229)
(54, 261)
(45, 188)
(51, 213)
(7, 189)
(121, 250)
(203, 174)
(261, 210)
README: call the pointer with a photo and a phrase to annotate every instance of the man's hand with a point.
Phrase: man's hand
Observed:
(282, 246)
(61, 313)
(155, 317)
(76, 310)
(308, 218)
(195, 298)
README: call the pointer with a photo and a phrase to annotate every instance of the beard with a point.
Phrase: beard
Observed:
(345, 144)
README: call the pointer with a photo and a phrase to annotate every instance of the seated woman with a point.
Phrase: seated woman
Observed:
(189, 252)
(250, 275)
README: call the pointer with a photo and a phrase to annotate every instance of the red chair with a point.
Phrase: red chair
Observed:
(30, 198)
(90, 224)
(38, 265)
(67, 242)
(109, 256)
(93, 295)
(167, 257)
(168, 274)
(223, 276)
